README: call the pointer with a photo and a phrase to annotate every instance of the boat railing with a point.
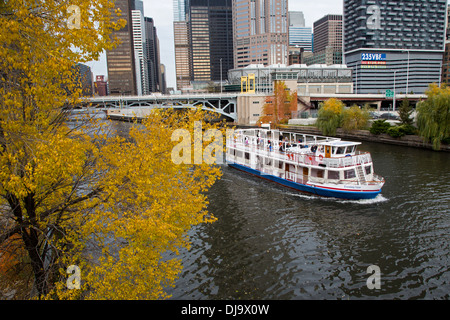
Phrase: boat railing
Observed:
(307, 158)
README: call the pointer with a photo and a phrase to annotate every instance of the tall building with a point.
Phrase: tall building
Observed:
(153, 56)
(210, 31)
(140, 52)
(299, 35)
(83, 79)
(181, 42)
(260, 32)
(203, 38)
(446, 60)
(101, 86)
(328, 33)
(327, 41)
(394, 45)
(120, 60)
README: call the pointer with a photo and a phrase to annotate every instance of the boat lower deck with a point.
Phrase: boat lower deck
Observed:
(347, 192)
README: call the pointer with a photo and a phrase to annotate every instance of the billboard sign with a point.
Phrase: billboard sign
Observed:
(373, 56)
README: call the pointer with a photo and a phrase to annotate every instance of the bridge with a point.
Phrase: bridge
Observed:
(242, 108)
(224, 104)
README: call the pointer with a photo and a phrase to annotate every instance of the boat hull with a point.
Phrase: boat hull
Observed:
(324, 191)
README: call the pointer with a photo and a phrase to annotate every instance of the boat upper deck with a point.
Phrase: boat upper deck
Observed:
(299, 149)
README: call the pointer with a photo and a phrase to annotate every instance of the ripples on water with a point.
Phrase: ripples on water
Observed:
(272, 243)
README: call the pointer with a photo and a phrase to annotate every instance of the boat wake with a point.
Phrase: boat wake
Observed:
(379, 199)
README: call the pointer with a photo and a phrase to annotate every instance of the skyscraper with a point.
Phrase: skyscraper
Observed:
(140, 52)
(446, 60)
(327, 41)
(260, 32)
(299, 35)
(153, 56)
(394, 45)
(210, 39)
(181, 42)
(120, 60)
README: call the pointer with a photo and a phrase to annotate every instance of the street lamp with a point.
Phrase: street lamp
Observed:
(395, 75)
(220, 75)
(407, 74)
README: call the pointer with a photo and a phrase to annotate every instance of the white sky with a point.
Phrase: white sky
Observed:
(162, 14)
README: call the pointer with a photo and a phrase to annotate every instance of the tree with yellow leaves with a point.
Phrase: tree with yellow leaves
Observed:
(75, 194)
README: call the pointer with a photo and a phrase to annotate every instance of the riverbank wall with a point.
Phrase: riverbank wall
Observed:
(358, 135)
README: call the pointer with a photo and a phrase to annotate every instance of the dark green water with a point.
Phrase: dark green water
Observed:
(270, 242)
(273, 243)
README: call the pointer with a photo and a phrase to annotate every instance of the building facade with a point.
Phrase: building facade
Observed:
(260, 32)
(394, 45)
(181, 43)
(304, 79)
(299, 35)
(203, 37)
(153, 56)
(101, 86)
(140, 52)
(120, 60)
(327, 41)
(210, 27)
(446, 60)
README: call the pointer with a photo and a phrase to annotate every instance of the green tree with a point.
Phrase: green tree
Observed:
(355, 118)
(405, 110)
(329, 116)
(433, 115)
(379, 126)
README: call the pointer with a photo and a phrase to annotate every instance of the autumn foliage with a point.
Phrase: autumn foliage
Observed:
(74, 193)
(279, 107)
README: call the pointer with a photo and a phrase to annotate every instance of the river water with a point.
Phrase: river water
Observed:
(270, 242)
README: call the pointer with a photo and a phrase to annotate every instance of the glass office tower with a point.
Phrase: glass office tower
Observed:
(394, 44)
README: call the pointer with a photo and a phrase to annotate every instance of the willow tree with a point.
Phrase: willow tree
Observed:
(433, 115)
(75, 195)
(329, 116)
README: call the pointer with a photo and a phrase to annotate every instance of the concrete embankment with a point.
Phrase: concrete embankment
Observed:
(365, 135)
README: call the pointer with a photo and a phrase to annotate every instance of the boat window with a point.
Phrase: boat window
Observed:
(317, 173)
(349, 174)
(239, 153)
(333, 175)
(334, 150)
(247, 156)
(280, 164)
(340, 150)
(368, 169)
(268, 162)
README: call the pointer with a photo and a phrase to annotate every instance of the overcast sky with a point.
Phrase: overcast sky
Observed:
(162, 13)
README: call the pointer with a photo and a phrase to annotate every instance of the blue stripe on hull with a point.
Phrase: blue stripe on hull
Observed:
(351, 195)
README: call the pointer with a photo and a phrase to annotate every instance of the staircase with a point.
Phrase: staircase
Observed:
(361, 175)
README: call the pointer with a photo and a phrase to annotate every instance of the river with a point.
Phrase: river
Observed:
(270, 242)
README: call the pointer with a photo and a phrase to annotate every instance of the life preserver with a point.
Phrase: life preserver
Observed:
(321, 157)
(310, 159)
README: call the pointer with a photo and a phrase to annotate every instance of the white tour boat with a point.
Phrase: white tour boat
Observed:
(318, 165)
